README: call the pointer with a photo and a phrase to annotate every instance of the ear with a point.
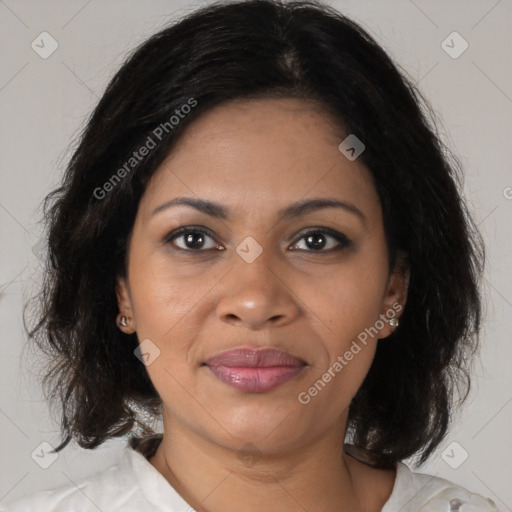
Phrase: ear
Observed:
(395, 296)
(124, 303)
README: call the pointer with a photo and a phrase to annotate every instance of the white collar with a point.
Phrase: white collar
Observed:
(155, 488)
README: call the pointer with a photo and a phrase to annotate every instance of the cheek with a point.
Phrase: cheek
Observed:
(172, 306)
(349, 299)
(164, 294)
(349, 304)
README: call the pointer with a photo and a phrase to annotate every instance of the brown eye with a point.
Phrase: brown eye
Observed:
(192, 239)
(322, 240)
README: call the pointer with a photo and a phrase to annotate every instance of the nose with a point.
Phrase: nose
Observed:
(257, 295)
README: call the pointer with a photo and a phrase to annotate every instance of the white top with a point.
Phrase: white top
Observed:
(134, 485)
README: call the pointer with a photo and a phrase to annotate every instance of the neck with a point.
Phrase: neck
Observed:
(315, 476)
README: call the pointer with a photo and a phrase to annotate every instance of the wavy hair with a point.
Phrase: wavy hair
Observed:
(246, 50)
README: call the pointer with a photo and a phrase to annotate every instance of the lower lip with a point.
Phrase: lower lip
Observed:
(255, 380)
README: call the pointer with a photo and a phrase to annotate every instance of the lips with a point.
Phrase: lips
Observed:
(255, 370)
(255, 358)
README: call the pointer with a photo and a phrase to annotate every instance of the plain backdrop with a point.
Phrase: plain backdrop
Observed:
(44, 103)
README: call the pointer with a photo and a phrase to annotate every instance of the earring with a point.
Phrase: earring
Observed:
(123, 321)
(394, 322)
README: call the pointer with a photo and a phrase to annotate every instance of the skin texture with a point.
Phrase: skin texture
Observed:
(254, 158)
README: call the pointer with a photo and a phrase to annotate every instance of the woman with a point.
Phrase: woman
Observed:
(260, 240)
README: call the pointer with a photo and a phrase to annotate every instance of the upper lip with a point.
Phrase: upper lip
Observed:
(255, 358)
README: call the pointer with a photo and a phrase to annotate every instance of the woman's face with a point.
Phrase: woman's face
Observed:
(259, 277)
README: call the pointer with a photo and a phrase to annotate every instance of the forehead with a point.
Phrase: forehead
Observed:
(259, 154)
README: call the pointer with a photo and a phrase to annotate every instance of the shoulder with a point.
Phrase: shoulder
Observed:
(417, 492)
(111, 489)
(131, 484)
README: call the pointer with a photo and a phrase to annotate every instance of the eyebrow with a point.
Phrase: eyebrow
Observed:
(292, 211)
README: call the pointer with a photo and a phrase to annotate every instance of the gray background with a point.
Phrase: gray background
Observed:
(44, 103)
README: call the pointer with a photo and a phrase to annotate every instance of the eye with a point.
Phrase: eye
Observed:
(322, 240)
(200, 239)
(192, 239)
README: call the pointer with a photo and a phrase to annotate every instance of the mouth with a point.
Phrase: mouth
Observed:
(255, 371)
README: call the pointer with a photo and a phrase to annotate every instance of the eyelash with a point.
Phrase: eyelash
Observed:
(343, 241)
